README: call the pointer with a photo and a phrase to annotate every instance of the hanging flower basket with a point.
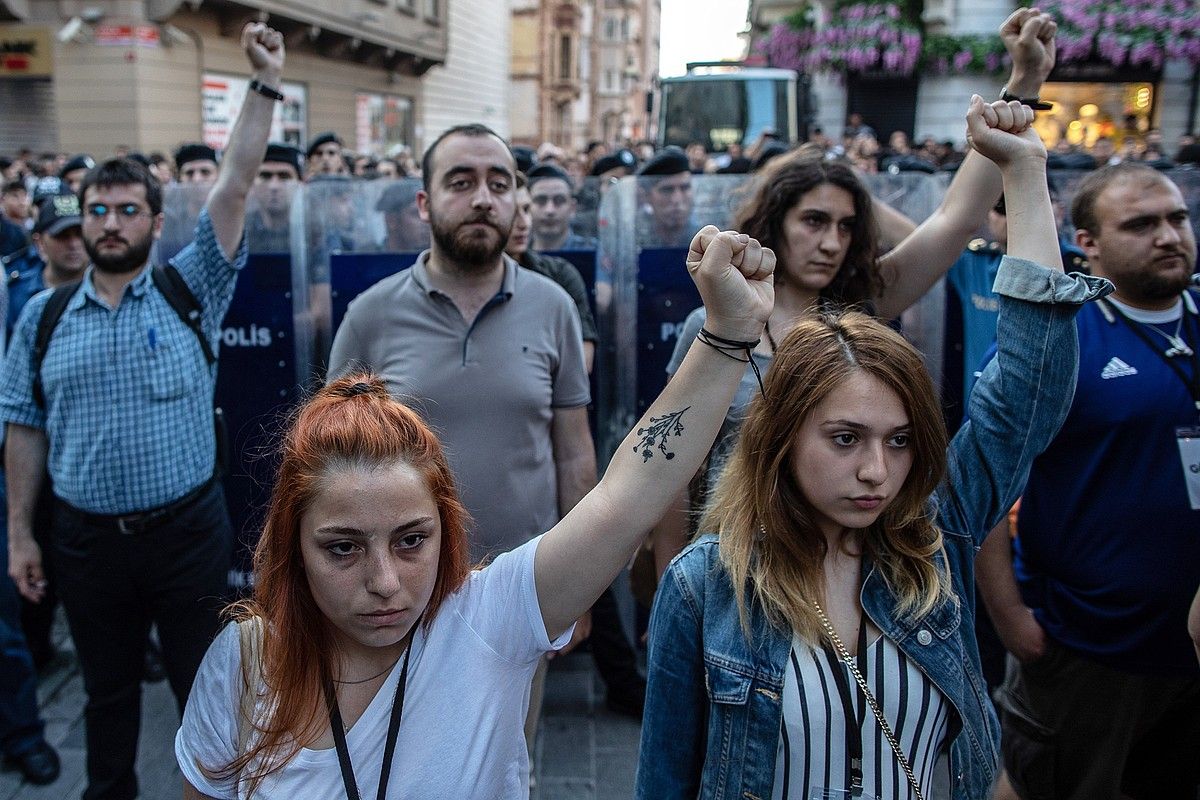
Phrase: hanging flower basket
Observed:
(1127, 32)
(944, 54)
(861, 37)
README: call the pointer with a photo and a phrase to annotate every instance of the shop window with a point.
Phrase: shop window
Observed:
(1085, 113)
(382, 122)
(222, 95)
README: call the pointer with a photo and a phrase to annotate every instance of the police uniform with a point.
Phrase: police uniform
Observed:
(971, 309)
(23, 274)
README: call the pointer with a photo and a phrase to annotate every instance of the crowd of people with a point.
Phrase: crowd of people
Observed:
(866, 585)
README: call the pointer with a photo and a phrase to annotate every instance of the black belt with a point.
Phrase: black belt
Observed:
(142, 521)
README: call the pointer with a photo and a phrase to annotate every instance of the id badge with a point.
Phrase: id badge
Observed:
(1189, 456)
(818, 793)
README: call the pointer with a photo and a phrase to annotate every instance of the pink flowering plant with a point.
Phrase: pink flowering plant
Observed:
(943, 54)
(1133, 32)
(867, 36)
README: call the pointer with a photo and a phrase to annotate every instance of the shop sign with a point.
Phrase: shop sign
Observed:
(25, 52)
(126, 35)
(222, 95)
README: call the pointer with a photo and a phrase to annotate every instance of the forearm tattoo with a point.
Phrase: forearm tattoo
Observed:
(655, 435)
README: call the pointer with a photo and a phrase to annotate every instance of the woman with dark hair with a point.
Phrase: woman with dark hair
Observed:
(821, 645)
(820, 220)
(370, 659)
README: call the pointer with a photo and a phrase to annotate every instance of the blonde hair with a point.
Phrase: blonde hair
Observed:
(769, 541)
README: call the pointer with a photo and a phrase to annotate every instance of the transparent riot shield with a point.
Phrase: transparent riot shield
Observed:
(916, 195)
(257, 357)
(644, 292)
(357, 233)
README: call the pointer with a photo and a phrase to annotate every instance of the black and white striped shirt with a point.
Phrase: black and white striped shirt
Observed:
(814, 747)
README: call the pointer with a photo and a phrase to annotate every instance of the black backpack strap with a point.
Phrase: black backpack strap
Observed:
(51, 313)
(176, 291)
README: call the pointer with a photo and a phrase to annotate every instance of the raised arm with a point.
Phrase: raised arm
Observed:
(1024, 394)
(248, 140)
(582, 554)
(920, 260)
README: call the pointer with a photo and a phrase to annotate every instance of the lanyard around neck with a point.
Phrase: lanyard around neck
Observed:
(339, 735)
(1193, 382)
(854, 723)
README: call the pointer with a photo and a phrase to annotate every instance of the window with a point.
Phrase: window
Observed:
(382, 122)
(610, 29)
(433, 10)
(222, 95)
(565, 67)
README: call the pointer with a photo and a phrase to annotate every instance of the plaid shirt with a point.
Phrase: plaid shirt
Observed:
(128, 392)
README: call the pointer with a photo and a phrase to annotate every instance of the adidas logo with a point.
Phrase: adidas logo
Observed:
(1117, 369)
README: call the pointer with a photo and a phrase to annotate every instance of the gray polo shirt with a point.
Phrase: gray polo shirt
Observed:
(488, 388)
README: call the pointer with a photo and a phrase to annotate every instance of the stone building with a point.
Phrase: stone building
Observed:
(583, 69)
(93, 75)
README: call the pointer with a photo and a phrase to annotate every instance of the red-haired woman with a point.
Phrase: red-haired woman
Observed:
(371, 659)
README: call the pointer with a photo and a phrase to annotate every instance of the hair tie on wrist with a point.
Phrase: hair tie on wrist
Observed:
(728, 346)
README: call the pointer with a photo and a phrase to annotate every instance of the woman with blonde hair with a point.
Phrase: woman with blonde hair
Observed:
(821, 644)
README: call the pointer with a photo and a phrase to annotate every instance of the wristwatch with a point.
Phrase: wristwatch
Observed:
(1035, 102)
(266, 91)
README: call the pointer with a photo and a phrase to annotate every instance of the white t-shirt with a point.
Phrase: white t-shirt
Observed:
(462, 734)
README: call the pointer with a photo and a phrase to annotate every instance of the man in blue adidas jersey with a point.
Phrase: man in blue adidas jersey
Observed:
(1102, 697)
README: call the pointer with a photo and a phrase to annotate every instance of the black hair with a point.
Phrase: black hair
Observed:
(474, 129)
(123, 172)
(1083, 205)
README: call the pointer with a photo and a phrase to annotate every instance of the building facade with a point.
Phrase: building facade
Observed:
(1092, 98)
(94, 75)
(582, 70)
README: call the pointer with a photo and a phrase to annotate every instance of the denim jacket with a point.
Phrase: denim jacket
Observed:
(713, 703)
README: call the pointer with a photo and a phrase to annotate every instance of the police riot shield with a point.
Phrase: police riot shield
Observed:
(258, 377)
(643, 289)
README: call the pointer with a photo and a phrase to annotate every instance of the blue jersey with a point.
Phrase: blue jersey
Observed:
(1108, 546)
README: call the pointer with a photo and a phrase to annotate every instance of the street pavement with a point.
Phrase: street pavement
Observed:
(583, 751)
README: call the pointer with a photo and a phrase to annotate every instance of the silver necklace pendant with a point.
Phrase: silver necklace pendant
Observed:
(1178, 347)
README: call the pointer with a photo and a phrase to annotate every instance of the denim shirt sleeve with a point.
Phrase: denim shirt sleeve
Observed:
(1021, 399)
(674, 726)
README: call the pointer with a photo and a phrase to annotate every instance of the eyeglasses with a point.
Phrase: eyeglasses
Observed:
(125, 212)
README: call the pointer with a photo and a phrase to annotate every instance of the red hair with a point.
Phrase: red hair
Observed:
(351, 423)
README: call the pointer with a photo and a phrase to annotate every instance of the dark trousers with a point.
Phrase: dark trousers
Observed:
(113, 586)
(615, 660)
(1075, 729)
(20, 725)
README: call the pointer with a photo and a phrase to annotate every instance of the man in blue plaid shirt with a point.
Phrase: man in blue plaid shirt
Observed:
(140, 530)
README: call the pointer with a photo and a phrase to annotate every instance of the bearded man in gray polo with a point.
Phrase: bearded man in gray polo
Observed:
(488, 353)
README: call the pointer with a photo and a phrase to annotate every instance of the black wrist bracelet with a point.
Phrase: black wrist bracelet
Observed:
(266, 91)
(724, 346)
(730, 342)
(1036, 103)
